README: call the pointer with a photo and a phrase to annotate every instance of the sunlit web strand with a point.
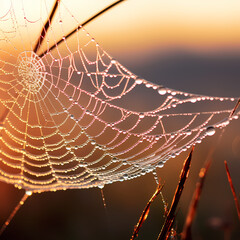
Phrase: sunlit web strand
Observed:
(76, 128)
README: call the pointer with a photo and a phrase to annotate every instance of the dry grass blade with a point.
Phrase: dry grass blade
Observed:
(81, 25)
(145, 212)
(233, 190)
(186, 235)
(171, 213)
(235, 108)
(46, 26)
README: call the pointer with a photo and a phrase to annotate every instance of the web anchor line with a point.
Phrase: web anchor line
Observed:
(26, 195)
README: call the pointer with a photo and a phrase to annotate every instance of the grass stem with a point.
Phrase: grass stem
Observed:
(186, 235)
(232, 189)
(171, 213)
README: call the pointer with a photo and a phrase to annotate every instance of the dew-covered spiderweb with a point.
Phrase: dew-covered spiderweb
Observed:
(74, 117)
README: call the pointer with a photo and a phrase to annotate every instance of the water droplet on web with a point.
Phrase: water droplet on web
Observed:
(188, 132)
(68, 147)
(149, 168)
(121, 179)
(210, 130)
(139, 81)
(160, 164)
(162, 91)
(114, 160)
(193, 100)
(199, 140)
(29, 193)
(225, 123)
(125, 176)
(148, 85)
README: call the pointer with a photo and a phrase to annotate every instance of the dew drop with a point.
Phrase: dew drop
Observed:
(114, 160)
(225, 123)
(139, 81)
(188, 132)
(162, 91)
(198, 140)
(29, 193)
(210, 131)
(160, 164)
(68, 147)
(148, 85)
(125, 176)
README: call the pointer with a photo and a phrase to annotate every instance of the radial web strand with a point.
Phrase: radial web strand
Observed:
(76, 118)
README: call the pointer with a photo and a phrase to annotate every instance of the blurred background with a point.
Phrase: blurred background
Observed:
(193, 46)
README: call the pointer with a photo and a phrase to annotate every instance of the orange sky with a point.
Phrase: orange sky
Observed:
(144, 24)
(137, 26)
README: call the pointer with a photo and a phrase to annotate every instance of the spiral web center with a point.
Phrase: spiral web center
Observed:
(31, 71)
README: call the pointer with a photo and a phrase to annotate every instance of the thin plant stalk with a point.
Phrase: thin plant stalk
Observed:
(46, 26)
(232, 189)
(178, 193)
(186, 235)
(80, 26)
(145, 212)
(235, 108)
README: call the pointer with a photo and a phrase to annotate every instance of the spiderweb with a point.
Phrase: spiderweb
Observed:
(73, 117)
